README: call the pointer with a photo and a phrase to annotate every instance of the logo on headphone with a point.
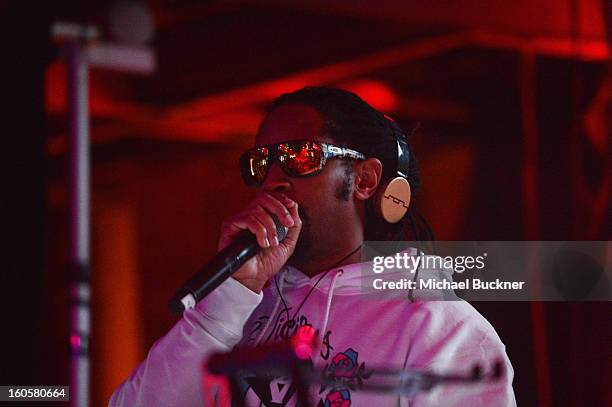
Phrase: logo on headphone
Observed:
(396, 200)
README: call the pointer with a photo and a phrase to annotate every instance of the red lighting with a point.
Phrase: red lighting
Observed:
(75, 341)
(304, 342)
(377, 93)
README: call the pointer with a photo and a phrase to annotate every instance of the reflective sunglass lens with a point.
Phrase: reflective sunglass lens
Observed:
(256, 162)
(300, 158)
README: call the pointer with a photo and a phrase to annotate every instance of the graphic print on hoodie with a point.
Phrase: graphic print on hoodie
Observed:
(343, 368)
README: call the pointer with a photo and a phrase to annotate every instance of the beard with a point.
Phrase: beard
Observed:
(303, 247)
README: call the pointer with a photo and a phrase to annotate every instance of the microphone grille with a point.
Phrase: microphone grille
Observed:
(281, 231)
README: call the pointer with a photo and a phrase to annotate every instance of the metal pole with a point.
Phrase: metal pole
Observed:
(82, 53)
(80, 292)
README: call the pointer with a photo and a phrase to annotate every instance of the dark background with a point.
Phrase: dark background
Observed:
(513, 101)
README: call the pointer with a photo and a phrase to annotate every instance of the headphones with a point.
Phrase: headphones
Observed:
(392, 199)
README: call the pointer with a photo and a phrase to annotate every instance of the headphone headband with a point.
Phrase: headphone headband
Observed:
(403, 158)
(403, 154)
(393, 197)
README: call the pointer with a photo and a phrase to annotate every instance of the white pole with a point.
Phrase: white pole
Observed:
(79, 224)
(81, 54)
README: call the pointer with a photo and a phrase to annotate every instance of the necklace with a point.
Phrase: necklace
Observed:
(312, 288)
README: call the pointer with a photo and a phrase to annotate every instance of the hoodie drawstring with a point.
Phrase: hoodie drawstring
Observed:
(330, 294)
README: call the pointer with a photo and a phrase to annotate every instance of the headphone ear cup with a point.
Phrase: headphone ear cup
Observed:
(393, 199)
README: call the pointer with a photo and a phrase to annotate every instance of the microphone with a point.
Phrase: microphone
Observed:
(219, 269)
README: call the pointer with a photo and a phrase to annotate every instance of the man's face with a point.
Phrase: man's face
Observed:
(319, 197)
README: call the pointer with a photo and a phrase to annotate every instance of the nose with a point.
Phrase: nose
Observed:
(276, 180)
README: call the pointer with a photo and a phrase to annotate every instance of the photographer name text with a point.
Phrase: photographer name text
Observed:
(436, 284)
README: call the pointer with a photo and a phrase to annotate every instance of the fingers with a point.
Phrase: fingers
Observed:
(270, 227)
(258, 220)
(248, 222)
(276, 205)
(293, 232)
(265, 207)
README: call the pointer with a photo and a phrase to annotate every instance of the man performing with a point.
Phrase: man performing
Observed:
(321, 159)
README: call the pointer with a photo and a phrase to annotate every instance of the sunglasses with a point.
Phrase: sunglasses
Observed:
(301, 158)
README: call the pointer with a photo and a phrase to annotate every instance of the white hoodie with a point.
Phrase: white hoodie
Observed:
(358, 332)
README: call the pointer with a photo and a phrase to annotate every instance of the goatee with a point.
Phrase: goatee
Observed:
(303, 247)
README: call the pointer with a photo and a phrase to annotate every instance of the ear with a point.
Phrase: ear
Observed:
(368, 174)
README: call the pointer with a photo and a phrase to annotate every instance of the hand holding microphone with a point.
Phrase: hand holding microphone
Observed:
(254, 245)
(257, 218)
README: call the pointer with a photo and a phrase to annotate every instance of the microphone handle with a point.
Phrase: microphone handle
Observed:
(215, 272)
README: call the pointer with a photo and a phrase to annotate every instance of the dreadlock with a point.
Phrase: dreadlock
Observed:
(353, 123)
